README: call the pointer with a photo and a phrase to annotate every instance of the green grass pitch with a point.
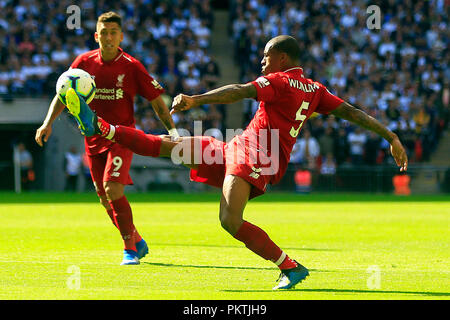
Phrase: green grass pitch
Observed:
(63, 246)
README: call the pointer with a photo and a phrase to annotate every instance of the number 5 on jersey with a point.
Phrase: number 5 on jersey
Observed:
(299, 117)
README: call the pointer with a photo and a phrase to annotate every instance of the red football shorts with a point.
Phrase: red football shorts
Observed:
(111, 165)
(236, 160)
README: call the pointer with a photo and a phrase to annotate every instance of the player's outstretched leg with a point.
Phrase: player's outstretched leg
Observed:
(131, 138)
(89, 124)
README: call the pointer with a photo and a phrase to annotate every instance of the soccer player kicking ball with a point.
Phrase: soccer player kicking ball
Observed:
(119, 78)
(287, 99)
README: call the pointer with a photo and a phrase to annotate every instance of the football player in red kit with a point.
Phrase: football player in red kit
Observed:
(119, 78)
(245, 165)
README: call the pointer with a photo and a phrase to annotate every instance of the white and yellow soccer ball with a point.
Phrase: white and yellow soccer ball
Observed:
(80, 81)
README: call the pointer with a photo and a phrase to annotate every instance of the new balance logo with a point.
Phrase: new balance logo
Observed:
(262, 82)
(115, 174)
(256, 173)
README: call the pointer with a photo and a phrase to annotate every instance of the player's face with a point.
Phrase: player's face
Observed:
(109, 35)
(271, 60)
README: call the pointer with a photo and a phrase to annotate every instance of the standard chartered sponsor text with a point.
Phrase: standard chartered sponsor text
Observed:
(108, 93)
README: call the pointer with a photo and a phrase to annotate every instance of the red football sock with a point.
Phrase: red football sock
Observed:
(124, 219)
(287, 263)
(112, 217)
(137, 236)
(137, 141)
(259, 242)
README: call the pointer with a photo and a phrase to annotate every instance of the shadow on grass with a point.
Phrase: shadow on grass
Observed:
(158, 264)
(234, 246)
(438, 294)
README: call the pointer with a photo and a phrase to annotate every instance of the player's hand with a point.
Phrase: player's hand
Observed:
(182, 102)
(399, 154)
(42, 134)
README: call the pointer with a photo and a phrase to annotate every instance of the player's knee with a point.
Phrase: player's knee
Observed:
(113, 190)
(226, 225)
(230, 222)
(108, 190)
(102, 197)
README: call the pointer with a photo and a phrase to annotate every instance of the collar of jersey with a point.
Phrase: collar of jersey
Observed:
(294, 68)
(119, 54)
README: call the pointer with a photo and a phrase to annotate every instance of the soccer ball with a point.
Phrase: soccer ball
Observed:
(80, 81)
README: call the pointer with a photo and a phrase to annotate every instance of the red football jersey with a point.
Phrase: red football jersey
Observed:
(117, 81)
(287, 100)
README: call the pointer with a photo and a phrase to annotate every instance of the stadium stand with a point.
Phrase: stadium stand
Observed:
(172, 40)
(398, 74)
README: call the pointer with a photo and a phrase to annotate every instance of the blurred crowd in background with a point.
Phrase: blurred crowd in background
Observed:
(398, 74)
(170, 38)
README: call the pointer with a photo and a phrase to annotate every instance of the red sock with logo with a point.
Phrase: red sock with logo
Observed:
(137, 141)
(124, 219)
(259, 242)
(137, 236)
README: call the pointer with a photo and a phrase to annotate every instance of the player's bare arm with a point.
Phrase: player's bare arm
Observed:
(348, 112)
(162, 111)
(227, 94)
(45, 130)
